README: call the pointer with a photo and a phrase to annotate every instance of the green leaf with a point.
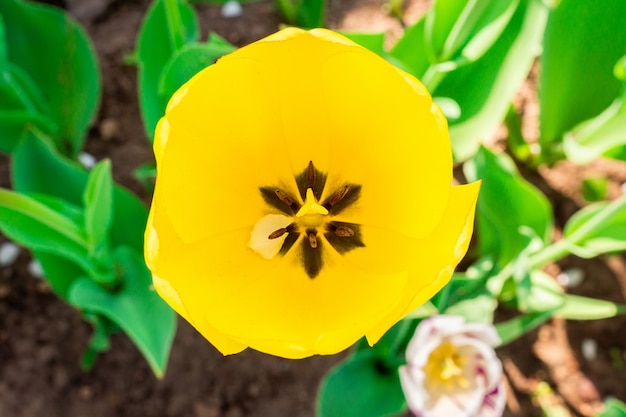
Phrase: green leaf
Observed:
(167, 26)
(484, 88)
(136, 308)
(463, 30)
(189, 60)
(516, 327)
(595, 188)
(311, 13)
(98, 200)
(545, 293)
(56, 53)
(410, 50)
(597, 136)
(596, 229)
(375, 42)
(582, 42)
(477, 309)
(507, 203)
(613, 408)
(38, 168)
(576, 307)
(361, 386)
(60, 273)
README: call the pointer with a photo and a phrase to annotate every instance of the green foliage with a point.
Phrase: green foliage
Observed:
(54, 86)
(308, 14)
(582, 43)
(613, 408)
(362, 386)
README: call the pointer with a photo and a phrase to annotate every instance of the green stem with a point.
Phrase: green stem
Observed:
(174, 24)
(288, 10)
(432, 78)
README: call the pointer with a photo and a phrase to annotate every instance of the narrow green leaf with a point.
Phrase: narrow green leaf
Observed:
(136, 308)
(576, 307)
(56, 53)
(582, 42)
(361, 386)
(484, 88)
(507, 203)
(38, 168)
(545, 293)
(311, 13)
(375, 42)
(463, 30)
(595, 188)
(154, 51)
(476, 309)
(98, 200)
(596, 229)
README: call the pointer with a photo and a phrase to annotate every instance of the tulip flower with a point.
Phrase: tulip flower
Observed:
(452, 370)
(303, 197)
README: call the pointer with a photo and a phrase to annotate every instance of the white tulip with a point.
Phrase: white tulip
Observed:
(452, 370)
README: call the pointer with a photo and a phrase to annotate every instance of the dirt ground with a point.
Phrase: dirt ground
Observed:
(42, 339)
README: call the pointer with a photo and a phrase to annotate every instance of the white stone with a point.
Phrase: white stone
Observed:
(589, 349)
(231, 9)
(571, 278)
(87, 160)
(35, 269)
(8, 253)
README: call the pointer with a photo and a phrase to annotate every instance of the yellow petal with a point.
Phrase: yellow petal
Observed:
(436, 256)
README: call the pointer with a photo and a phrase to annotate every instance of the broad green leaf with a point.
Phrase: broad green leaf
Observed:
(361, 386)
(582, 42)
(167, 26)
(375, 42)
(136, 308)
(613, 408)
(576, 307)
(596, 229)
(189, 60)
(98, 201)
(507, 203)
(484, 88)
(52, 48)
(463, 30)
(516, 327)
(60, 273)
(38, 168)
(146, 175)
(311, 13)
(410, 50)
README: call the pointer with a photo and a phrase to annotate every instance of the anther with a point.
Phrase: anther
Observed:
(339, 195)
(312, 240)
(277, 233)
(310, 175)
(283, 197)
(344, 231)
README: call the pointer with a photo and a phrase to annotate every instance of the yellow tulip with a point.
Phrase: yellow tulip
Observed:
(303, 197)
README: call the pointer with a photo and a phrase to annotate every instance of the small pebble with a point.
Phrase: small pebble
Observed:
(231, 9)
(87, 160)
(8, 253)
(35, 269)
(571, 278)
(589, 349)
(109, 129)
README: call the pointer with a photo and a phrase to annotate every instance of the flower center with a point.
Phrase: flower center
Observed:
(309, 223)
(311, 214)
(445, 368)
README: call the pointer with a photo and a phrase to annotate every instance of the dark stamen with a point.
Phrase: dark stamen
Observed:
(312, 240)
(310, 175)
(339, 195)
(283, 197)
(311, 255)
(277, 233)
(344, 231)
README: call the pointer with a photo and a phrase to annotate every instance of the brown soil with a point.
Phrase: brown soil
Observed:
(42, 339)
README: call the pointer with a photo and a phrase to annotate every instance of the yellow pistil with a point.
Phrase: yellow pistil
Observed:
(445, 368)
(311, 214)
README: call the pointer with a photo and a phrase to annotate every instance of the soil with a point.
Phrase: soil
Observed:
(42, 339)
